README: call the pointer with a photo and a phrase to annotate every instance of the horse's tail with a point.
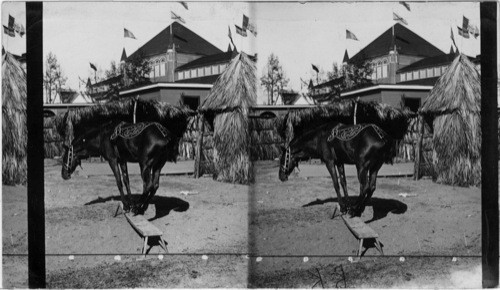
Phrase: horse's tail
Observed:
(389, 150)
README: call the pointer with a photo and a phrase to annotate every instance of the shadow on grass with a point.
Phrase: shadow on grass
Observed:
(163, 204)
(381, 206)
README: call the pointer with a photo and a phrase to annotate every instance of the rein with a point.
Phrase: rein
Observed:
(288, 156)
(67, 165)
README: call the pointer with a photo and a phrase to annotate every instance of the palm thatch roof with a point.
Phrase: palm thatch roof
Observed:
(454, 106)
(458, 89)
(235, 88)
(392, 120)
(14, 127)
(228, 104)
(175, 119)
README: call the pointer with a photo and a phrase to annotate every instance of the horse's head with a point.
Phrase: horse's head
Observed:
(77, 150)
(288, 161)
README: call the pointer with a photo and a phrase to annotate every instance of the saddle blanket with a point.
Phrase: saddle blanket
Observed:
(348, 133)
(129, 131)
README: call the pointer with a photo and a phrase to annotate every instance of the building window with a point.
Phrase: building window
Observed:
(207, 71)
(215, 69)
(221, 68)
(443, 69)
(402, 77)
(415, 75)
(200, 72)
(384, 71)
(423, 75)
(409, 76)
(412, 103)
(193, 73)
(430, 73)
(180, 75)
(379, 70)
(157, 69)
(162, 67)
(437, 71)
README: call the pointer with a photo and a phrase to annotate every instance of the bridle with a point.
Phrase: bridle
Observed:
(69, 160)
(288, 157)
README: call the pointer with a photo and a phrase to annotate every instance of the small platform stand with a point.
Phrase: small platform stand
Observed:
(145, 229)
(361, 231)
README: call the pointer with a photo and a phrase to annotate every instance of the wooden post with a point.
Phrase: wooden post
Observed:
(199, 146)
(418, 151)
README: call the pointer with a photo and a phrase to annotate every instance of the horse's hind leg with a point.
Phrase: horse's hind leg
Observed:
(116, 171)
(146, 179)
(123, 166)
(357, 210)
(340, 168)
(155, 184)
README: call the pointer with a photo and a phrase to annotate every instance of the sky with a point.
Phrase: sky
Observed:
(299, 34)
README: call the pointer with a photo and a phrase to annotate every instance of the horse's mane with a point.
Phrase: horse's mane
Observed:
(312, 132)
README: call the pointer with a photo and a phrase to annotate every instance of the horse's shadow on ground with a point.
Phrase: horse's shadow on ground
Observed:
(163, 204)
(381, 206)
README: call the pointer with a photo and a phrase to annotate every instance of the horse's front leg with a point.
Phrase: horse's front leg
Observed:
(123, 166)
(116, 171)
(330, 165)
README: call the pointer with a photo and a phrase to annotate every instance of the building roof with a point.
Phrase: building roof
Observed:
(201, 80)
(224, 57)
(431, 62)
(109, 81)
(424, 82)
(185, 40)
(407, 43)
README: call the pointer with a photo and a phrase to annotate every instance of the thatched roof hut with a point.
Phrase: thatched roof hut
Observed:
(175, 119)
(228, 105)
(392, 120)
(453, 105)
(14, 127)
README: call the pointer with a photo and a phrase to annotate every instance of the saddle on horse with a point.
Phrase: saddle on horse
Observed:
(349, 132)
(129, 131)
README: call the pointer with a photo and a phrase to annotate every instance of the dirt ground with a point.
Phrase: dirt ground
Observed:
(271, 234)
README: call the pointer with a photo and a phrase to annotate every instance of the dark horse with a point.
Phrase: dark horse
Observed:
(149, 144)
(364, 145)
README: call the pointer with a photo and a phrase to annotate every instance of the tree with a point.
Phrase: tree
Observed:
(347, 77)
(132, 73)
(53, 79)
(273, 79)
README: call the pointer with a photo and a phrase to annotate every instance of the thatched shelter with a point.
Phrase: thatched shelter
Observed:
(453, 106)
(175, 119)
(227, 107)
(14, 127)
(392, 120)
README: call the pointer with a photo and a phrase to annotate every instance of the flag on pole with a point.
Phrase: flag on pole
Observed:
(92, 66)
(399, 19)
(315, 68)
(19, 28)
(240, 31)
(9, 30)
(174, 16)
(245, 22)
(474, 30)
(247, 25)
(463, 33)
(350, 35)
(465, 24)
(127, 33)
(230, 36)
(406, 5)
(184, 4)
(453, 38)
